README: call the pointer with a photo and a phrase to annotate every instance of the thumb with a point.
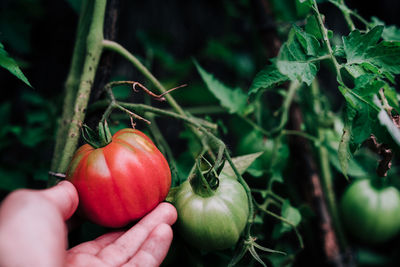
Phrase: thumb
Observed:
(64, 196)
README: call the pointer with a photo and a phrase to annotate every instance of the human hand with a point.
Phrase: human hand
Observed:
(33, 233)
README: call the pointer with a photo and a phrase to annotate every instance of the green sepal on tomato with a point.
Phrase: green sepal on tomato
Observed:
(121, 181)
(370, 210)
(211, 219)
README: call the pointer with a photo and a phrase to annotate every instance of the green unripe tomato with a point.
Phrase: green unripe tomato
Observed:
(214, 222)
(371, 211)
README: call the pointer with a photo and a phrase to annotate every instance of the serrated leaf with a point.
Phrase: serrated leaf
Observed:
(9, 64)
(356, 44)
(367, 85)
(309, 43)
(362, 124)
(312, 27)
(294, 62)
(364, 48)
(355, 70)
(241, 163)
(385, 55)
(360, 103)
(390, 33)
(268, 77)
(234, 100)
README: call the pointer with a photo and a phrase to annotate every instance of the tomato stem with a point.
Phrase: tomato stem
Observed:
(199, 183)
(72, 81)
(326, 174)
(86, 58)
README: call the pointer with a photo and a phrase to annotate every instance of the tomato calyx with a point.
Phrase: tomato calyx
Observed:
(204, 180)
(100, 139)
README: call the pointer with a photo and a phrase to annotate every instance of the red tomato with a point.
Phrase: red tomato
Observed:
(122, 181)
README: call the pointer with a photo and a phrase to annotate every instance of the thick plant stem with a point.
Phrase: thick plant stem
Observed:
(93, 48)
(72, 81)
(347, 17)
(326, 174)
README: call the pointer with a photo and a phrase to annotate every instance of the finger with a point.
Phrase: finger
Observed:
(127, 245)
(64, 196)
(94, 246)
(154, 249)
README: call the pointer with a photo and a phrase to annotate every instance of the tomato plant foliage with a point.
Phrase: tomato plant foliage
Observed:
(280, 97)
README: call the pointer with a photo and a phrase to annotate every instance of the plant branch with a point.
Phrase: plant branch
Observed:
(325, 38)
(276, 216)
(347, 13)
(347, 16)
(113, 46)
(72, 81)
(294, 85)
(88, 66)
(141, 108)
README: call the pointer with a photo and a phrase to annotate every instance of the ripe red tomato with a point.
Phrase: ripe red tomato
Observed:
(122, 181)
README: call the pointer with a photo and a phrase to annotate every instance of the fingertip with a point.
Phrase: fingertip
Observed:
(170, 211)
(65, 196)
(164, 230)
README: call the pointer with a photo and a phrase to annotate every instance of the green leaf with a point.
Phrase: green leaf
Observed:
(344, 154)
(354, 168)
(392, 96)
(312, 27)
(390, 33)
(309, 43)
(364, 48)
(356, 44)
(291, 214)
(268, 77)
(293, 60)
(234, 100)
(303, 7)
(385, 55)
(367, 85)
(9, 64)
(241, 164)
